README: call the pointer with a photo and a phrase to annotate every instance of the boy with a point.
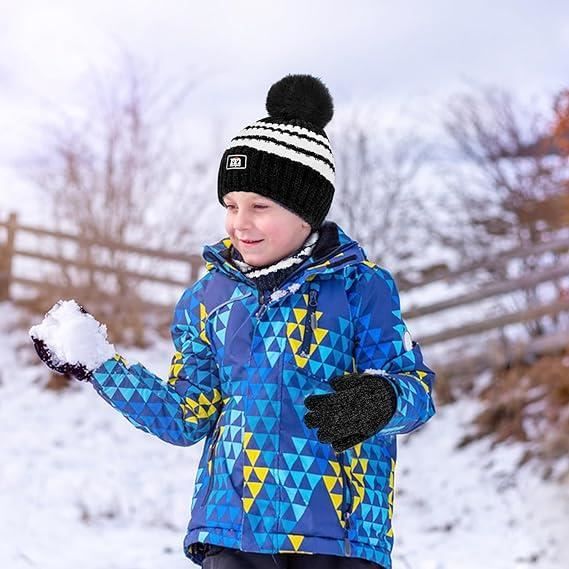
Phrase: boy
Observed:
(292, 360)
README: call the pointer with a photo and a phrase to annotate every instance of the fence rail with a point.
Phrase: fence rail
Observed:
(10, 250)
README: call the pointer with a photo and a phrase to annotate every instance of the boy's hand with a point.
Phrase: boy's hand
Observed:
(78, 371)
(360, 407)
(70, 341)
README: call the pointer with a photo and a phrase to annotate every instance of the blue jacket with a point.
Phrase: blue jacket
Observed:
(243, 365)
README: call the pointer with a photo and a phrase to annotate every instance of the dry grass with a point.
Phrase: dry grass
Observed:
(529, 404)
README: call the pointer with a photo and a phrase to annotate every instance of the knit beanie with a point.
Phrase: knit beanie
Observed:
(286, 156)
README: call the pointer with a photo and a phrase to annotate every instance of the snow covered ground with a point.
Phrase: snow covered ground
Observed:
(79, 486)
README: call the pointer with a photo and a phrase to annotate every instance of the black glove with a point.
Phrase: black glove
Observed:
(360, 407)
(78, 371)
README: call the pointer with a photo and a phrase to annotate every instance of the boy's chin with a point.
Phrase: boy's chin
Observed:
(257, 260)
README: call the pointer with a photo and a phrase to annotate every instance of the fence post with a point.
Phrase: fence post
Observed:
(6, 256)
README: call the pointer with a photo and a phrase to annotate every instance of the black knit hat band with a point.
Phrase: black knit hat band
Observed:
(294, 185)
(287, 158)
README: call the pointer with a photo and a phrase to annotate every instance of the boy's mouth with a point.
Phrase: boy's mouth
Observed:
(250, 243)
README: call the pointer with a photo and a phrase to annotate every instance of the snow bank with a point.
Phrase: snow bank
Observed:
(81, 487)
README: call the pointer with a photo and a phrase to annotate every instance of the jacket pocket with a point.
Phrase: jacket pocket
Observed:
(211, 461)
(225, 303)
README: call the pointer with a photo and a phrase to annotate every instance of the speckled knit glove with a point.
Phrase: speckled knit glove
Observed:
(360, 407)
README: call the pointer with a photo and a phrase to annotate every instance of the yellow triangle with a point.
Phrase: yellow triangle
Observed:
(336, 499)
(290, 328)
(320, 334)
(255, 488)
(247, 503)
(261, 472)
(253, 455)
(330, 482)
(246, 438)
(296, 540)
(299, 313)
(175, 370)
(294, 344)
(359, 477)
(193, 405)
(203, 312)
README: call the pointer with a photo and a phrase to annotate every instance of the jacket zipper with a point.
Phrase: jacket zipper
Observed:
(346, 503)
(263, 300)
(310, 323)
(211, 458)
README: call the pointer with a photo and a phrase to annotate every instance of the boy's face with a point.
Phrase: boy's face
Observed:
(276, 231)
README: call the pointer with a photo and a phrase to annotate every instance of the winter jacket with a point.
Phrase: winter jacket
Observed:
(244, 363)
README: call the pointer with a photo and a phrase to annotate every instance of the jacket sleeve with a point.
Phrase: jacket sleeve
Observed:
(182, 410)
(383, 346)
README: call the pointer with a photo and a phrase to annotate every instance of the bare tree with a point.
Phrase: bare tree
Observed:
(118, 171)
(507, 189)
(379, 198)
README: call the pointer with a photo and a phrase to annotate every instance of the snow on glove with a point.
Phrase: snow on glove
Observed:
(360, 407)
(70, 341)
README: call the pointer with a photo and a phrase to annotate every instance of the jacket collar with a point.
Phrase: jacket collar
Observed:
(333, 251)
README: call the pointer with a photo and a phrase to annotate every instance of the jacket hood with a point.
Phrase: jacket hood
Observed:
(333, 251)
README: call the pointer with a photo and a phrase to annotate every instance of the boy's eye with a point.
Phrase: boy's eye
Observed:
(256, 206)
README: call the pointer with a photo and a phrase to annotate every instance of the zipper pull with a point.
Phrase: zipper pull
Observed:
(263, 300)
(312, 296)
(312, 302)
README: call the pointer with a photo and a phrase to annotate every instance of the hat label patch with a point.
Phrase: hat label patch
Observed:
(236, 162)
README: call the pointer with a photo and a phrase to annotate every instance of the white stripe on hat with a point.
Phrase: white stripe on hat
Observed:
(289, 138)
(293, 129)
(274, 148)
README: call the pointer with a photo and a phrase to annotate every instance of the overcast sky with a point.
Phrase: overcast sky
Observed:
(386, 54)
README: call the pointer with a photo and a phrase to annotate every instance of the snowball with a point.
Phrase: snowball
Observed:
(74, 337)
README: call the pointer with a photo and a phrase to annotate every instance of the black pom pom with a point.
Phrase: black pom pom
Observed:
(300, 97)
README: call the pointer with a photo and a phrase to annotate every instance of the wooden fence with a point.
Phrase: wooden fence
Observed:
(10, 250)
(492, 354)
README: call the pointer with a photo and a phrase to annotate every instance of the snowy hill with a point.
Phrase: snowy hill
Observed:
(79, 486)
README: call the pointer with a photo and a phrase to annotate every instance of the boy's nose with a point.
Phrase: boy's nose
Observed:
(242, 220)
